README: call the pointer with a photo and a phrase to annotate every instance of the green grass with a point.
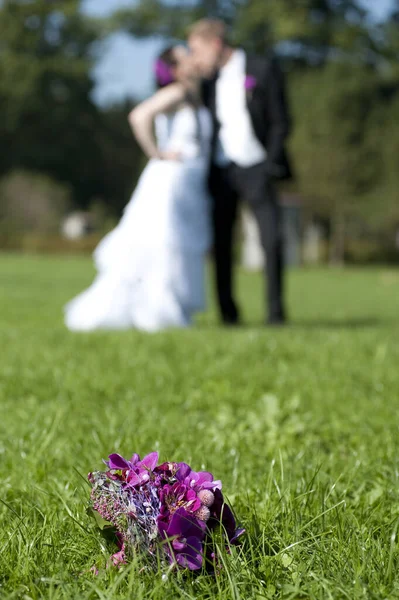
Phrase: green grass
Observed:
(300, 424)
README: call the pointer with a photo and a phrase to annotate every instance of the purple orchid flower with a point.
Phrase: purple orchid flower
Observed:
(116, 462)
(197, 481)
(179, 495)
(239, 532)
(250, 82)
(138, 471)
(222, 513)
(185, 535)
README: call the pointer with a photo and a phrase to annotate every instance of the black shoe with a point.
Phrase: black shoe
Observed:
(231, 321)
(276, 322)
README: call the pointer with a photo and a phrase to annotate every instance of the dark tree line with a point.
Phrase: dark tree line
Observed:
(343, 79)
(49, 121)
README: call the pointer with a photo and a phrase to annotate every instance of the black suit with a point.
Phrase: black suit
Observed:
(267, 107)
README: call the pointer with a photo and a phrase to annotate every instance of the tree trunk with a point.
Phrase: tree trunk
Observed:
(337, 238)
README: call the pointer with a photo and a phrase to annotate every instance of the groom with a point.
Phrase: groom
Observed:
(245, 95)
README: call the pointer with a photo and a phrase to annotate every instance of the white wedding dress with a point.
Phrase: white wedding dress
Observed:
(151, 266)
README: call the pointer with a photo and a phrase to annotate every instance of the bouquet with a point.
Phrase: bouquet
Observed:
(165, 510)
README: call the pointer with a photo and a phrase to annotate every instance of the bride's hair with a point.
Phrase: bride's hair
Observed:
(163, 67)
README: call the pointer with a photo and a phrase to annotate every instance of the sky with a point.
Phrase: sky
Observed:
(124, 66)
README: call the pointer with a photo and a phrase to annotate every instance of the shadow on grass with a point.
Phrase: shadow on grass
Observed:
(305, 324)
(347, 323)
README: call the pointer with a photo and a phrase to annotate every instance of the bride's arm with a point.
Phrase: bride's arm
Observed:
(142, 117)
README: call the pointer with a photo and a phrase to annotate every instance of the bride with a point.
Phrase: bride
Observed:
(151, 266)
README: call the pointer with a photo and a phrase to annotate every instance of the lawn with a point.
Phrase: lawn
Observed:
(301, 425)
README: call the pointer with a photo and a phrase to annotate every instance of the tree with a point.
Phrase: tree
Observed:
(169, 19)
(382, 206)
(343, 84)
(121, 159)
(45, 86)
(339, 142)
(49, 122)
(315, 29)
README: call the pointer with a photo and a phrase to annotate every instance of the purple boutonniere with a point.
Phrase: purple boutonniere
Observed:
(250, 84)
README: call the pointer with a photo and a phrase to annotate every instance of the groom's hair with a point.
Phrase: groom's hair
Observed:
(209, 29)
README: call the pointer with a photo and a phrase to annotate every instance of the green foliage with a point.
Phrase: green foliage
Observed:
(49, 121)
(345, 146)
(336, 161)
(343, 84)
(45, 87)
(317, 26)
(298, 424)
(383, 206)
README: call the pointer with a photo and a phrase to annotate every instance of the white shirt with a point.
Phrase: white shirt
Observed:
(237, 141)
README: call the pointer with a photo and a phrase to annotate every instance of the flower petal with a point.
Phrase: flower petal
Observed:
(179, 523)
(217, 504)
(176, 545)
(133, 479)
(149, 462)
(143, 477)
(212, 485)
(165, 467)
(191, 556)
(204, 476)
(185, 525)
(183, 471)
(191, 495)
(118, 559)
(116, 462)
(195, 505)
(135, 458)
(163, 527)
(228, 521)
(238, 533)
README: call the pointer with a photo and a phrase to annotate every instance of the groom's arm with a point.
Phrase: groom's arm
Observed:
(277, 114)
